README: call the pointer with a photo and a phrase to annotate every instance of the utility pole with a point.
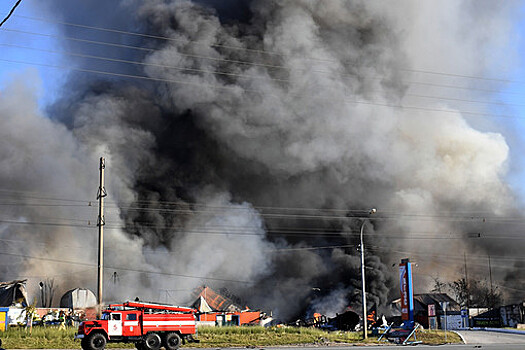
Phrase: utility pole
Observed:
(100, 223)
(467, 291)
(466, 281)
(363, 282)
(491, 301)
(363, 295)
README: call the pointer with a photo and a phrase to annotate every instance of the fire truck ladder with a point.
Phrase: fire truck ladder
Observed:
(159, 307)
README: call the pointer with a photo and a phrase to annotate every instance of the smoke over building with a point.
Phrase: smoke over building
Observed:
(247, 110)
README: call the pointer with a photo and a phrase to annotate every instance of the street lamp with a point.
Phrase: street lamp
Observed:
(365, 326)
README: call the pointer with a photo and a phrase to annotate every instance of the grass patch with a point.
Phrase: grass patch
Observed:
(215, 337)
(260, 336)
(437, 337)
(45, 338)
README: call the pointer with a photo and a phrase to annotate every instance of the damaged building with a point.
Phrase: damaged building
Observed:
(429, 312)
(13, 294)
(215, 309)
(13, 303)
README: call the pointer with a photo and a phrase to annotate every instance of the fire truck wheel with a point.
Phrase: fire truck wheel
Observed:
(172, 341)
(152, 341)
(94, 341)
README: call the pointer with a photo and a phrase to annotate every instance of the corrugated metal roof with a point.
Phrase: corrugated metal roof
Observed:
(216, 301)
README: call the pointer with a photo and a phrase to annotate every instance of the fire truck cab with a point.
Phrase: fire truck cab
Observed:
(150, 326)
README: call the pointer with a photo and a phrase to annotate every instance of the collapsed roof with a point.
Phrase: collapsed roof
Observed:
(209, 300)
(13, 293)
(201, 305)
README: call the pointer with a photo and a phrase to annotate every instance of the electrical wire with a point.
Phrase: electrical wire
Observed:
(446, 257)
(60, 275)
(169, 206)
(38, 195)
(237, 62)
(115, 60)
(234, 88)
(10, 12)
(61, 261)
(246, 62)
(226, 60)
(238, 75)
(54, 224)
(220, 210)
(174, 206)
(258, 51)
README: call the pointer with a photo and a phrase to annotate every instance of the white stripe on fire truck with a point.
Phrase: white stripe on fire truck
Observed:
(169, 323)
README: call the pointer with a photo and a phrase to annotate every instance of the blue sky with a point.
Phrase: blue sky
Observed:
(15, 41)
(514, 94)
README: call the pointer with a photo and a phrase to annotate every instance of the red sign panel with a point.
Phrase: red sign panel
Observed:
(431, 310)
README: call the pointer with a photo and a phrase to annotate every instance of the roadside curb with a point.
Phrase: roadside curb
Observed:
(460, 336)
(501, 330)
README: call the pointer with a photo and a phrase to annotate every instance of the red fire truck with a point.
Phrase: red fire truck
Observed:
(148, 325)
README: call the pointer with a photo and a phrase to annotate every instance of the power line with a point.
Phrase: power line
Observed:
(10, 12)
(398, 217)
(347, 213)
(143, 49)
(259, 51)
(238, 75)
(237, 207)
(469, 88)
(446, 257)
(268, 211)
(156, 252)
(37, 195)
(260, 232)
(214, 86)
(228, 73)
(151, 36)
(34, 223)
(50, 276)
(466, 100)
(12, 204)
(116, 60)
(270, 66)
(227, 232)
(123, 268)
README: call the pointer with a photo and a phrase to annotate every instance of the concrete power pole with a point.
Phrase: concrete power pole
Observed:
(466, 283)
(100, 223)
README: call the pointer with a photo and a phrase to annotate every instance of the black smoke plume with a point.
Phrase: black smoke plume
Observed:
(249, 110)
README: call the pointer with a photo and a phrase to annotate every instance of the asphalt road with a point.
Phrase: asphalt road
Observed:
(485, 337)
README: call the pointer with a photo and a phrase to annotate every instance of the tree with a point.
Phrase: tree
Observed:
(439, 287)
(475, 294)
(461, 291)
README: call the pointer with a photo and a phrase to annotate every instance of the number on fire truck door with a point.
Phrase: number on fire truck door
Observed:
(115, 324)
